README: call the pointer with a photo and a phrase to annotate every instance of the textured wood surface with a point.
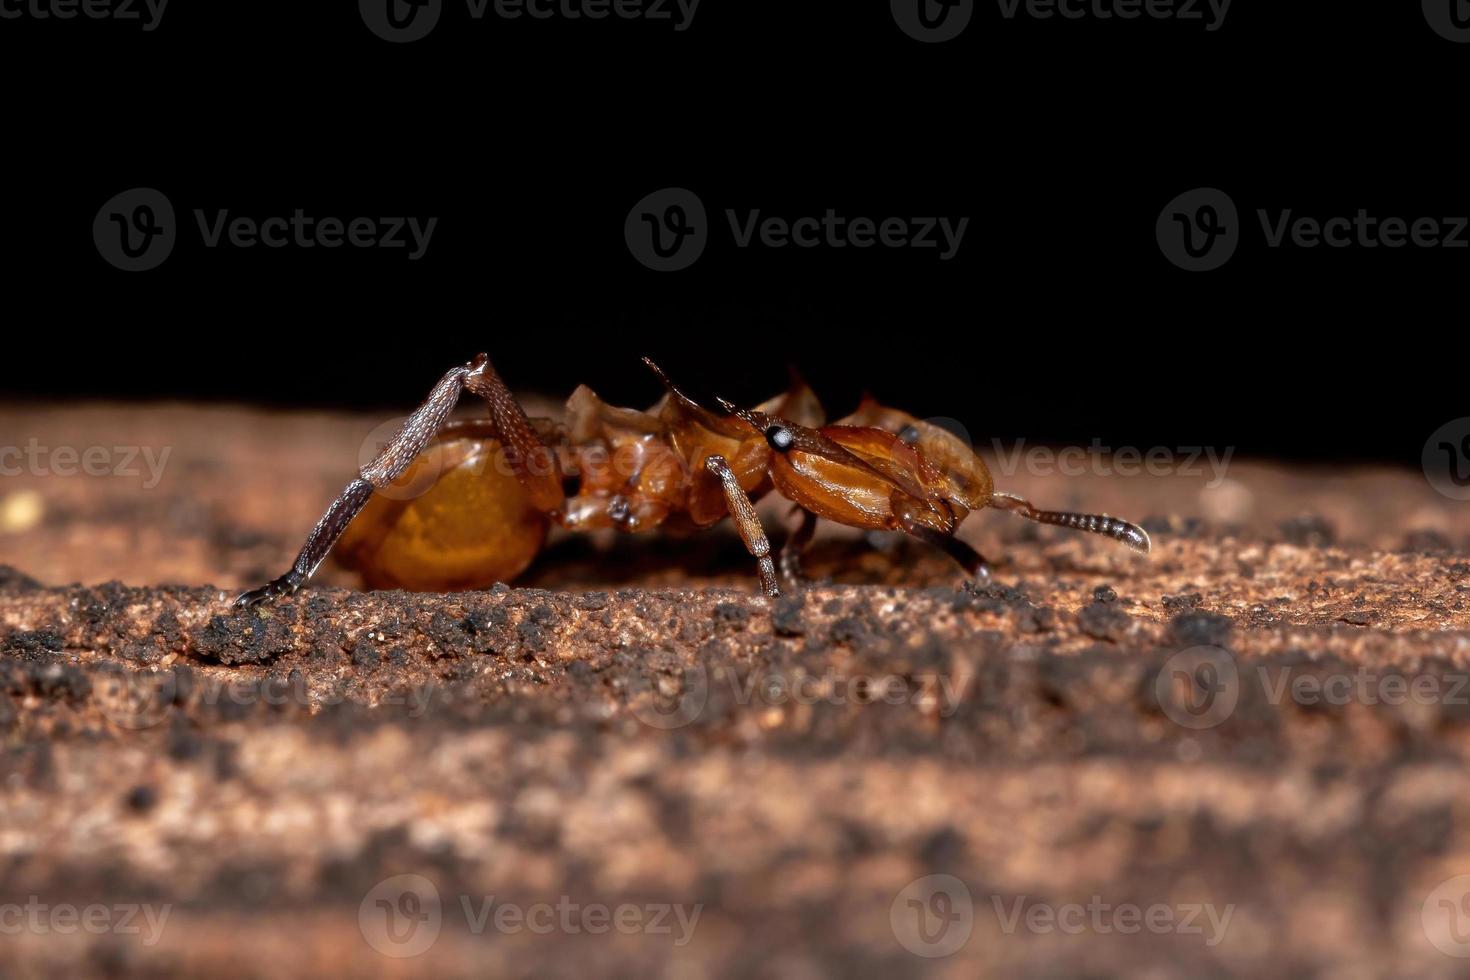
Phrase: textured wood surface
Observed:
(634, 726)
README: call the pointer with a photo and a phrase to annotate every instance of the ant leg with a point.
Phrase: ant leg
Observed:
(747, 522)
(794, 547)
(967, 557)
(512, 427)
(530, 458)
(1127, 532)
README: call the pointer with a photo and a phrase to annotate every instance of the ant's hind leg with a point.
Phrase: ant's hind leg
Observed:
(512, 427)
(794, 547)
(747, 522)
(967, 557)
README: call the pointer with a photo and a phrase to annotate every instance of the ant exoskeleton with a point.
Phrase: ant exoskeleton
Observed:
(498, 483)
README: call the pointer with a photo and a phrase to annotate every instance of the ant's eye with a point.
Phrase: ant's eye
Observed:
(910, 435)
(780, 438)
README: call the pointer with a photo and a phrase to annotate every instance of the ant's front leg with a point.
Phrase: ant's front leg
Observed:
(747, 522)
(512, 427)
(968, 558)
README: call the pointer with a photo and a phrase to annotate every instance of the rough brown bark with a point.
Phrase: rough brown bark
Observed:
(641, 726)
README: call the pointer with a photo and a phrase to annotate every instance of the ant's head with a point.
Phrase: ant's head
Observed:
(780, 434)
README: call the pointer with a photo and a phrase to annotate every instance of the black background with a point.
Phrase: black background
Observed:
(1061, 140)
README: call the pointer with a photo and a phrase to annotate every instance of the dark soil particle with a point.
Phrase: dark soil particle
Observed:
(1104, 621)
(1193, 629)
(14, 580)
(732, 614)
(141, 799)
(787, 617)
(1308, 531)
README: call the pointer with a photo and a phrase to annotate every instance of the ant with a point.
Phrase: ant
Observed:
(496, 484)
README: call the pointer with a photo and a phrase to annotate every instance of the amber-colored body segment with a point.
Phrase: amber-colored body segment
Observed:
(457, 505)
(452, 521)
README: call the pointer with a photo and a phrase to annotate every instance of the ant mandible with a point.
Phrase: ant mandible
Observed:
(498, 483)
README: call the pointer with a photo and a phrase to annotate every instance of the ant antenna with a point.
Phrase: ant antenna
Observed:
(1127, 532)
